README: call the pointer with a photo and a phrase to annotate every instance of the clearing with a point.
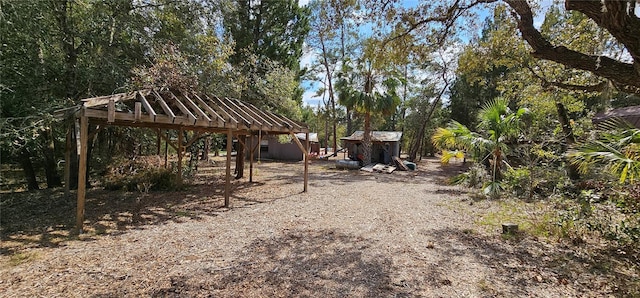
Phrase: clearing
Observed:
(359, 234)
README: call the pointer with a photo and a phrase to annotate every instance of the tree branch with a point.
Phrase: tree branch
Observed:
(586, 88)
(453, 12)
(621, 74)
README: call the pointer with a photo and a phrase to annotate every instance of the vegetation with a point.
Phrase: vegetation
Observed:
(514, 97)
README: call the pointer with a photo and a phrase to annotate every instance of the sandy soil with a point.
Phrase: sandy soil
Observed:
(358, 234)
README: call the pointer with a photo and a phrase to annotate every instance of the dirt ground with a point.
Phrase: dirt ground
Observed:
(357, 234)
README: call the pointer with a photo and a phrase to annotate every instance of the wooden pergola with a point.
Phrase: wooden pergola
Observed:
(182, 111)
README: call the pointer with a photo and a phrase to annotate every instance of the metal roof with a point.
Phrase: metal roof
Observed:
(188, 110)
(629, 114)
(313, 137)
(376, 136)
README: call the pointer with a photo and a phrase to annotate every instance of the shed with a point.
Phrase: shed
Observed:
(179, 110)
(629, 114)
(274, 147)
(385, 145)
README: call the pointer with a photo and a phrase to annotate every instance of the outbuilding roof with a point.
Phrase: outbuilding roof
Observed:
(629, 114)
(376, 136)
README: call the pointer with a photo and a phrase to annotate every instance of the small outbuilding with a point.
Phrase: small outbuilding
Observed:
(385, 145)
(629, 114)
(283, 147)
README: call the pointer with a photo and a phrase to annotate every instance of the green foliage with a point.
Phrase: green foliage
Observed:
(617, 149)
(474, 177)
(518, 181)
(267, 32)
(500, 126)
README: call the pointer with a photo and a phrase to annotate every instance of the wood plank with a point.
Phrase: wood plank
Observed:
(82, 172)
(111, 111)
(399, 163)
(228, 118)
(254, 123)
(104, 100)
(147, 107)
(137, 111)
(227, 184)
(163, 104)
(168, 141)
(211, 111)
(250, 109)
(183, 108)
(300, 146)
(223, 105)
(195, 107)
(306, 164)
(251, 150)
(179, 151)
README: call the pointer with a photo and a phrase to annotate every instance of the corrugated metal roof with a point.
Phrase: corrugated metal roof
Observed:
(630, 114)
(376, 136)
(313, 136)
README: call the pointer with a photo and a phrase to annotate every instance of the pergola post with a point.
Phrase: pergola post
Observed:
(306, 162)
(251, 149)
(180, 152)
(227, 184)
(82, 171)
(305, 156)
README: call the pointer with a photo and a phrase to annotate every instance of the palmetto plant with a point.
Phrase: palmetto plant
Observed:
(498, 126)
(617, 148)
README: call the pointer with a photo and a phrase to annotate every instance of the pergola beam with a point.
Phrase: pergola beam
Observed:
(199, 113)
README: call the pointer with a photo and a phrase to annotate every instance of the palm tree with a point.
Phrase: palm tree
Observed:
(370, 101)
(617, 148)
(498, 125)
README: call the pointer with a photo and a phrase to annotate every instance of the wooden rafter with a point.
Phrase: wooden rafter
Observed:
(201, 113)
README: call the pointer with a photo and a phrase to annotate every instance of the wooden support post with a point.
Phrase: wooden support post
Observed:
(158, 139)
(251, 149)
(259, 144)
(111, 111)
(137, 111)
(305, 156)
(306, 162)
(179, 149)
(227, 185)
(166, 150)
(82, 171)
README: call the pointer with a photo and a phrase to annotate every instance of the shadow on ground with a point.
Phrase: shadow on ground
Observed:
(521, 266)
(298, 263)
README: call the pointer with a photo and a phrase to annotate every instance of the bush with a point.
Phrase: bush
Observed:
(518, 181)
(141, 174)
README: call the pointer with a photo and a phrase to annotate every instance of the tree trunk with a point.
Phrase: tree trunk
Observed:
(27, 167)
(349, 122)
(417, 144)
(567, 130)
(240, 156)
(366, 139)
(73, 155)
(326, 133)
(50, 167)
(205, 151)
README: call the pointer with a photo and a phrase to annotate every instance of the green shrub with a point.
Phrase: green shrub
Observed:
(518, 181)
(140, 175)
